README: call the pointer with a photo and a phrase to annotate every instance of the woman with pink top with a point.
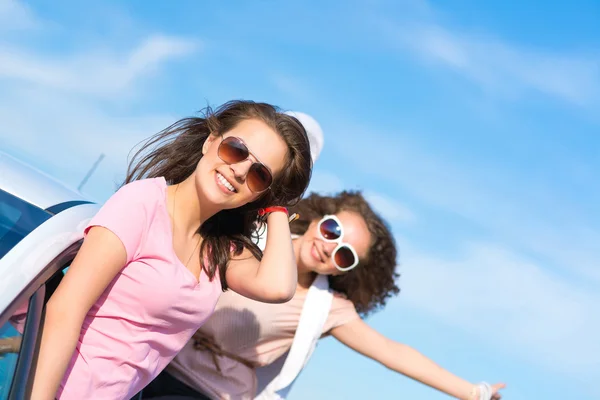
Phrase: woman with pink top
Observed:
(163, 248)
(339, 237)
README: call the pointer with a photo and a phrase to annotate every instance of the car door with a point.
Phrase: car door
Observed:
(36, 247)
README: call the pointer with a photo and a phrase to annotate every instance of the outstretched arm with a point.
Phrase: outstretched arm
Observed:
(404, 359)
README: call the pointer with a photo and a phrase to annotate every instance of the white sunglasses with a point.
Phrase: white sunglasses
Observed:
(331, 230)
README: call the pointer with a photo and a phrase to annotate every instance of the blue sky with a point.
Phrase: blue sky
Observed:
(473, 128)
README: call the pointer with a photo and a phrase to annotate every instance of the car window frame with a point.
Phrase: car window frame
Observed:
(39, 288)
(22, 380)
(27, 348)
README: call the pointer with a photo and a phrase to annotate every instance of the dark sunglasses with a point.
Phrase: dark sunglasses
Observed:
(331, 230)
(233, 150)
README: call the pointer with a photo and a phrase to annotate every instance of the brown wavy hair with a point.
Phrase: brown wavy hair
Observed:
(373, 281)
(174, 153)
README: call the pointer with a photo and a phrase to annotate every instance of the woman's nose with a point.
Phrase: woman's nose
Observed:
(328, 248)
(240, 170)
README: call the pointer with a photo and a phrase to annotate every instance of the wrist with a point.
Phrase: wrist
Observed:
(480, 391)
(272, 209)
(277, 218)
(278, 210)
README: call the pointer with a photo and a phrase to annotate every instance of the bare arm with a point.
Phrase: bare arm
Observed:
(272, 280)
(403, 359)
(100, 258)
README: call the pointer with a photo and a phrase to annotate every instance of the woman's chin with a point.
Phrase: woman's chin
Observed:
(306, 264)
(216, 197)
(320, 269)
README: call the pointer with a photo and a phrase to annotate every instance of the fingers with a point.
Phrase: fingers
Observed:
(495, 388)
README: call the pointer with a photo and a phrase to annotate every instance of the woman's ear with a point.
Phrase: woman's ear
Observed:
(208, 142)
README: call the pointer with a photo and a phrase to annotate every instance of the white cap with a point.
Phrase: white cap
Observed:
(314, 131)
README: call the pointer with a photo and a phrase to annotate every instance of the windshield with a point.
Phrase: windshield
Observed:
(17, 219)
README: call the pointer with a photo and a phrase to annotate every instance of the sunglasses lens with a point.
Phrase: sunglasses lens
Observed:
(259, 178)
(330, 229)
(232, 150)
(344, 257)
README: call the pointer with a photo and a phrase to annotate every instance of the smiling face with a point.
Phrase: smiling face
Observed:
(315, 253)
(225, 185)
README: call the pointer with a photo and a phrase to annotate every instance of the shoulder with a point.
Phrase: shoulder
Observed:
(143, 189)
(341, 302)
(130, 211)
(342, 311)
(144, 193)
(133, 202)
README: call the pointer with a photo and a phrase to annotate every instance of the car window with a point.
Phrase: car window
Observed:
(17, 342)
(8, 218)
(10, 345)
(17, 219)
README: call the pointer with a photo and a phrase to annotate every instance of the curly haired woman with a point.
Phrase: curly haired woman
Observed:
(340, 238)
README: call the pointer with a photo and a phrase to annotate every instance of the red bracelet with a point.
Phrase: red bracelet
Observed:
(264, 211)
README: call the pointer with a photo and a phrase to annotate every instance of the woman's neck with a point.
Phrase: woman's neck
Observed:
(187, 210)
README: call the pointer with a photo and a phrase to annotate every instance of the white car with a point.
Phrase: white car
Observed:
(41, 229)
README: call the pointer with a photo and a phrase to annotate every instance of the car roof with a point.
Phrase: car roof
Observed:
(32, 185)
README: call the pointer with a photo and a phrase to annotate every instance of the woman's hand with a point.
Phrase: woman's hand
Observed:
(495, 389)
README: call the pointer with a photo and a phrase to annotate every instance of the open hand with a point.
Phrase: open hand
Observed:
(496, 390)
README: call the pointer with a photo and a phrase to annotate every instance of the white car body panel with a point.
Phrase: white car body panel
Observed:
(32, 185)
(31, 255)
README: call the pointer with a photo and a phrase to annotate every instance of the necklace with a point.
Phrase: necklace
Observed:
(173, 212)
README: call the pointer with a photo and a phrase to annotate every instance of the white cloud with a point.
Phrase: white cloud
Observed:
(498, 66)
(294, 87)
(325, 182)
(92, 73)
(494, 293)
(329, 183)
(390, 209)
(68, 133)
(60, 111)
(517, 211)
(15, 15)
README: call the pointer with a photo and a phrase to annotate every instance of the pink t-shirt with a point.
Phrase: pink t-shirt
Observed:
(258, 332)
(150, 309)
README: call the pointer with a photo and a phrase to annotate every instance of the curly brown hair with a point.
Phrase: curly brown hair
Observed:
(373, 281)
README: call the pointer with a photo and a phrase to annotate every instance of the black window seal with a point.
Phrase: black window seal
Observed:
(19, 389)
